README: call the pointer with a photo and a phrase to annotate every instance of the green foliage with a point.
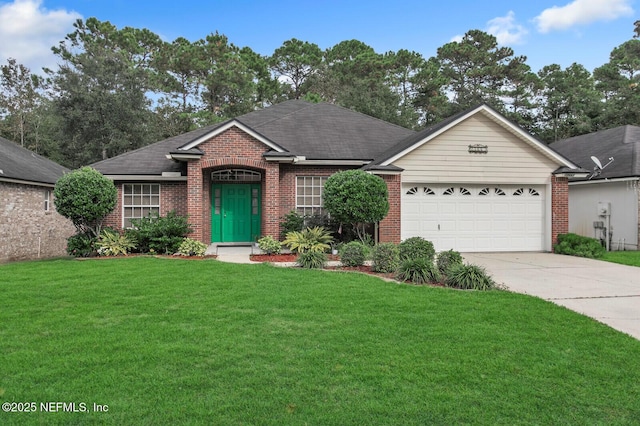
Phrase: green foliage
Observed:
(312, 259)
(469, 277)
(310, 239)
(112, 243)
(447, 259)
(82, 245)
(386, 257)
(292, 221)
(416, 248)
(160, 234)
(269, 245)
(189, 247)
(353, 254)
(577, 245)
(419, 271)
(356, 197)
(85, 197)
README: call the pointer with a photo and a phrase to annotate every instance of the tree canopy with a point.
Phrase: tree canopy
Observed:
(117, 89)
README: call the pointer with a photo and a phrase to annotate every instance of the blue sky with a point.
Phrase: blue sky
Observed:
(546, 31)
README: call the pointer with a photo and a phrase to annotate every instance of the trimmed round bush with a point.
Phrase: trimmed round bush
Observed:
(353, 254)
(385, 258)
(447, 259)
(577, 245)
(416, 248)
(419, 271)
(469, 277)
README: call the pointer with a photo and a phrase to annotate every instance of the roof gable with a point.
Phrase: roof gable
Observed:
(620, 143)
(18, 163)
(414, 142)
(226, 126)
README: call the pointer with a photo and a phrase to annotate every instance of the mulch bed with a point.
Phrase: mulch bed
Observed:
(286, 257)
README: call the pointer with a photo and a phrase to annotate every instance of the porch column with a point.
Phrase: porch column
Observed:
(559, 207)
(390, 225)
(271, 202)
(195, 200)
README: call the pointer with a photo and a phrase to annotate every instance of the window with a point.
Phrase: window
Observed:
(412, 191)
(309, 194)
(47, 200)
(138, 201)
(484, 191)
(428, 191)
(448, 191)
(465, 191)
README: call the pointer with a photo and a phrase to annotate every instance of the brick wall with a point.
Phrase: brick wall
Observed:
(173, 196)
(26, 230)
(559, 207)
(389, 230)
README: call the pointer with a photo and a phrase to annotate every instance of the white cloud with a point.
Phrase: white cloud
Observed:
(506, 29)
(28, 31)
(581, 12)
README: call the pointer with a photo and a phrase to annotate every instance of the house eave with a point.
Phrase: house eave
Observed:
(605, 180)
(27, 182)
(183, 157)
(154, 178)
(333, 162)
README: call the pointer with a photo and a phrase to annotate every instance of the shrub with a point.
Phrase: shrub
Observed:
(269, 245)
(81, 245)
(291, 222)
(469, 277)
(312, 259)
(85, 197)
(356, 197)
(160, 234)
(353, 254)
(385, 257)
(310, 239)
(447, 259)
(189, 247)
(577, 245)
(416, 248)
(112, 243)
(419, 271)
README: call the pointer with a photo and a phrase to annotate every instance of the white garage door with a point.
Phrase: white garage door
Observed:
(475, 218)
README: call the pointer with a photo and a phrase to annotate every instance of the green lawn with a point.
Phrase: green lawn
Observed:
(164, 341)
(625, 257)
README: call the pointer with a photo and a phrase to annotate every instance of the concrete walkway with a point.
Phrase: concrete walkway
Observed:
(607, 292)
(233, 253)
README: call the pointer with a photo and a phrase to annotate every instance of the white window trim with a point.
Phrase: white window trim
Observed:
(125, 206)
(312, 207)
(47, 200)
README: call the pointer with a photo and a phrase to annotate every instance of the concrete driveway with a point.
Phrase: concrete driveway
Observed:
(607, 292)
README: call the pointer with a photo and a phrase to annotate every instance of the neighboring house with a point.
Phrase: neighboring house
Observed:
(615, 186)
(30, 228)
(476, 182)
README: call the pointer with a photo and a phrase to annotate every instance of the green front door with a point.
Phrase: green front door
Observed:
(235, 212)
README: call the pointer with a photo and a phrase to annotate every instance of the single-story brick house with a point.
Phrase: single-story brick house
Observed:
(30, 227)
(614, 187)
(475, 182)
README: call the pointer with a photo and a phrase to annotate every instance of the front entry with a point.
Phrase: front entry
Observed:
(235, 213)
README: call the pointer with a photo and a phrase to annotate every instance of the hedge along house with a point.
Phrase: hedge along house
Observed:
(606, 204)
(30, 227)
(236, 180)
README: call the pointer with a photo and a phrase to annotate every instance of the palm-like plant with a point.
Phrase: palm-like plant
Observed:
(316, 239)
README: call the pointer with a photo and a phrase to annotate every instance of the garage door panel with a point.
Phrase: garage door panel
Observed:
(471, 218)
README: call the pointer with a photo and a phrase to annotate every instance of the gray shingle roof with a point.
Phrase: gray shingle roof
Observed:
(316, 131)
(19, 163)
(622, 143)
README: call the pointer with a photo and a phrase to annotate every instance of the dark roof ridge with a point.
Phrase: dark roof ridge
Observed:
(310, 104)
